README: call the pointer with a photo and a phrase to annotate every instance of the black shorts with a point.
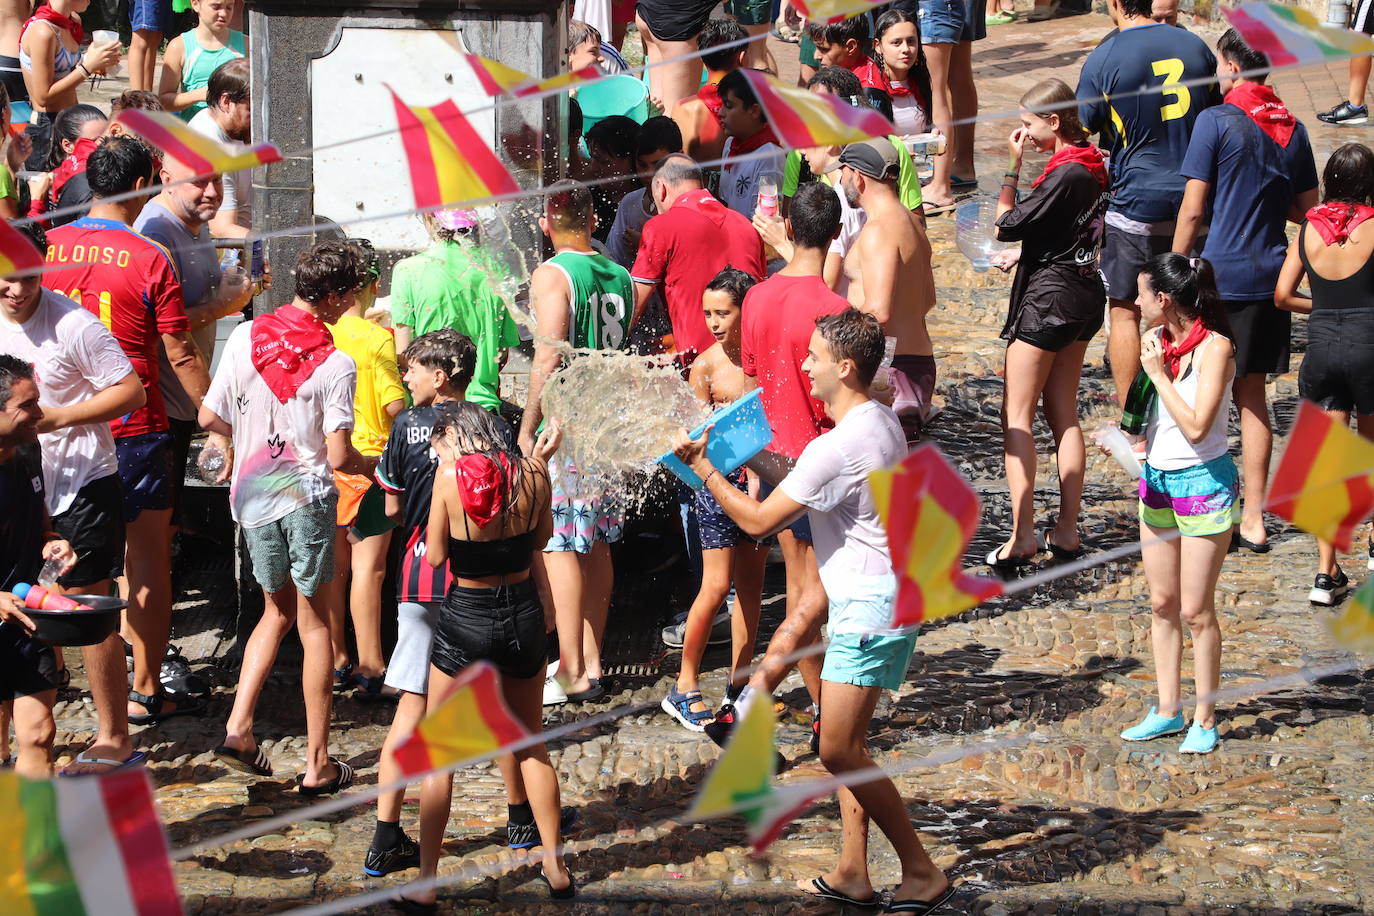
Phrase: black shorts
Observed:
(94, 525)
(1053, 338)
(675, 20)
(1124, 255)
(27, 666)
(12, 78)
(40, 134)
(145, 470)
(1260, 330)
(183, 431)
(504, 626)
(1338, 371)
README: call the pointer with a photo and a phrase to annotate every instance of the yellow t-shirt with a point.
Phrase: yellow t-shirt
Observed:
(379, 380)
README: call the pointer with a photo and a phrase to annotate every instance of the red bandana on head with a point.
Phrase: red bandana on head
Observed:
(1262, 106)
(479, 486)
(48, 14)
(1334, 220)
(288, 345)
(1088, 156)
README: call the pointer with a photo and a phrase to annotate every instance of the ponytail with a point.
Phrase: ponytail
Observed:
(1192, 285)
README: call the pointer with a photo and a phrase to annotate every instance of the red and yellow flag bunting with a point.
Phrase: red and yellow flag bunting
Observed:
(802, 119)
(471, 721)
(17, 254)
(496, 78)
(449, 163)
(828, 11)
(194, 150)
(1324, 483)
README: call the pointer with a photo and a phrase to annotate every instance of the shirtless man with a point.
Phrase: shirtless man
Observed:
(892, 253)
(699, 115)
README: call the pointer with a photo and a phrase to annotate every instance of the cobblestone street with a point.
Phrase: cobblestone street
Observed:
(1280, 819)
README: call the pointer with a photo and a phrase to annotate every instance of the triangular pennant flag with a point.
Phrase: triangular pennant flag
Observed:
(829, 11)
(1354, 628)
(197, 152)
(930, 514)
(1324, 483)
(471, 721)
(83, 847)
(17, 254)
(449, 162)
(802, 119)
(496, 78)
(1292, 35)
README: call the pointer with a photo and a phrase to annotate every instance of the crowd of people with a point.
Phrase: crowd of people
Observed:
(343, 424)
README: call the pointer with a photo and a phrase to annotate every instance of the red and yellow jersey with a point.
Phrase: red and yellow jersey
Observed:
(131, 284)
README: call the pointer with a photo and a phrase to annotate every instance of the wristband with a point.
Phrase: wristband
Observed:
(1014, 176)
(714, 472)
(84, 68)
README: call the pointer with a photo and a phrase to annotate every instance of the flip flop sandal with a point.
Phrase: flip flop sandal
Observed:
(920, 907)
(337, 784)
(373, 690)
(258, 764)
(594, 692)
(962, 183)
(414, 907)
(134, 759)
(823, 890)
(562, 893)
(1242, 542)
(930, 209)
(186, 705)
(1061, 554)
(1001, 563)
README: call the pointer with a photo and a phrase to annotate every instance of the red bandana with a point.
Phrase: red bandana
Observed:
(48, 14)
(1174, 353)
(871, 76)
(1334, 220)
(1088, 156)
(710, 97)
(740, 146)
(288, 345)
(1262, 106)
(479, 486)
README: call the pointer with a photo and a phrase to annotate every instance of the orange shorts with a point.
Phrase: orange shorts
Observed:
(351, 487)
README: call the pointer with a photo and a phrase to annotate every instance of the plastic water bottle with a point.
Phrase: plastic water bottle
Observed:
(768, 195)
(52, 568)
(1110, 437)
(976, 232)
(210, 462)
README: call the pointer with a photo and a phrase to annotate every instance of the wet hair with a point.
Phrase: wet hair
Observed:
(1138, 8)
(568, 205)
(117, 164)
(815, 215)
(837, 33)
(856, 336)
(135, 100)
(325, 268)
(12, 369)
(230, 78)
(32, 230)
(481, 433)
(447, 350)
(1349, 176)
(734, 83)
(67, 126)
(1191, 284)
(1054, 97)
(840, 81)
(659, 133)
(679, 168)
(720, 32)
(369, 263)
(617, 135)
(733, 282)
(1232, 47)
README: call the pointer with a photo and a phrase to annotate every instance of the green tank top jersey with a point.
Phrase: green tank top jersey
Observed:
(602, 300)
(198, 62)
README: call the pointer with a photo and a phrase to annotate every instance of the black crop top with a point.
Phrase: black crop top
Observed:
(476, 559)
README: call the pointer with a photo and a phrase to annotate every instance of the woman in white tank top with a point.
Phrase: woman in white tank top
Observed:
(1189, 483)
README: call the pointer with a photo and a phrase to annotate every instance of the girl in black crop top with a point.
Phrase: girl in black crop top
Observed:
(489, 514)
(1334, 249)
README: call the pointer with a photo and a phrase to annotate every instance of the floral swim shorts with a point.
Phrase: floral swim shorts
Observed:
(580, 519)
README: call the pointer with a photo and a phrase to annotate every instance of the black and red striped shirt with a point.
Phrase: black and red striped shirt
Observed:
(406, 469)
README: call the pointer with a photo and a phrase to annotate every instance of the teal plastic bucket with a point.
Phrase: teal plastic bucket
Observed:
(619, 95)
(739, 432)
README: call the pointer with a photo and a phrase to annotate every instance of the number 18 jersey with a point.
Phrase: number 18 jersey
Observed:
(601, 296)
(1146, 133)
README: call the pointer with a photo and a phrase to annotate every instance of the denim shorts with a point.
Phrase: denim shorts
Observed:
(941, 22)
(1199, 501)
(502, 625)
(868, 660)
(1338, 371)
(297, 548)
(151, 15)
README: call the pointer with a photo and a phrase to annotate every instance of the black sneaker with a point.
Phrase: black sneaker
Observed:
(816, 732)
(1346, 115)
(719, 730)
(379, 862)
(176, 676)
(1329, 589)
(526, 836)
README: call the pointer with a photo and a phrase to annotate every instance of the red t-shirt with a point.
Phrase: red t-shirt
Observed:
(130, 283)
(684, 249)
(779, 317)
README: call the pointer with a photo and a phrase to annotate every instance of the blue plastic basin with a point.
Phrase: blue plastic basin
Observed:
(740, 432)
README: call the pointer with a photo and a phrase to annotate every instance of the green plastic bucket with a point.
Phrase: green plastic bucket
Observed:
(619, 95)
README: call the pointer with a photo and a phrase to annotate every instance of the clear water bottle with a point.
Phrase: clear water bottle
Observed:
(767, 205)
(1110, 437)
(976, 232)
(52, 568)
(210, 462)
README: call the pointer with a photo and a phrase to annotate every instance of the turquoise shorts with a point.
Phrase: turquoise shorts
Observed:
(1199, 501)
(868, 661)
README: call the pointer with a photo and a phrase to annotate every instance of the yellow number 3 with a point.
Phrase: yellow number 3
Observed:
(1171, 70)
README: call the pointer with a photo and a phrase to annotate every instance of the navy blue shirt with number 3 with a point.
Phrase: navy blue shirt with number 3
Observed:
(1146, 134)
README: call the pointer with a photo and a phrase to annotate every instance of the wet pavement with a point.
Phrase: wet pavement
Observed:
(1278, 820)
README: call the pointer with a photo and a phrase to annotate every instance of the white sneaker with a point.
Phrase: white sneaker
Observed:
(554, 694)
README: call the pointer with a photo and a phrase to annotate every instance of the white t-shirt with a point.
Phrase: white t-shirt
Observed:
(739, 181)
(280, 461)
(831, 480)
(74, 358)
(238, 186)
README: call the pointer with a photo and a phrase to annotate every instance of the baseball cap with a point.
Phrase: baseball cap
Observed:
(876, 158)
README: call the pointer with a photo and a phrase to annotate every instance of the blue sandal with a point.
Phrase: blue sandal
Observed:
(679, 706)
